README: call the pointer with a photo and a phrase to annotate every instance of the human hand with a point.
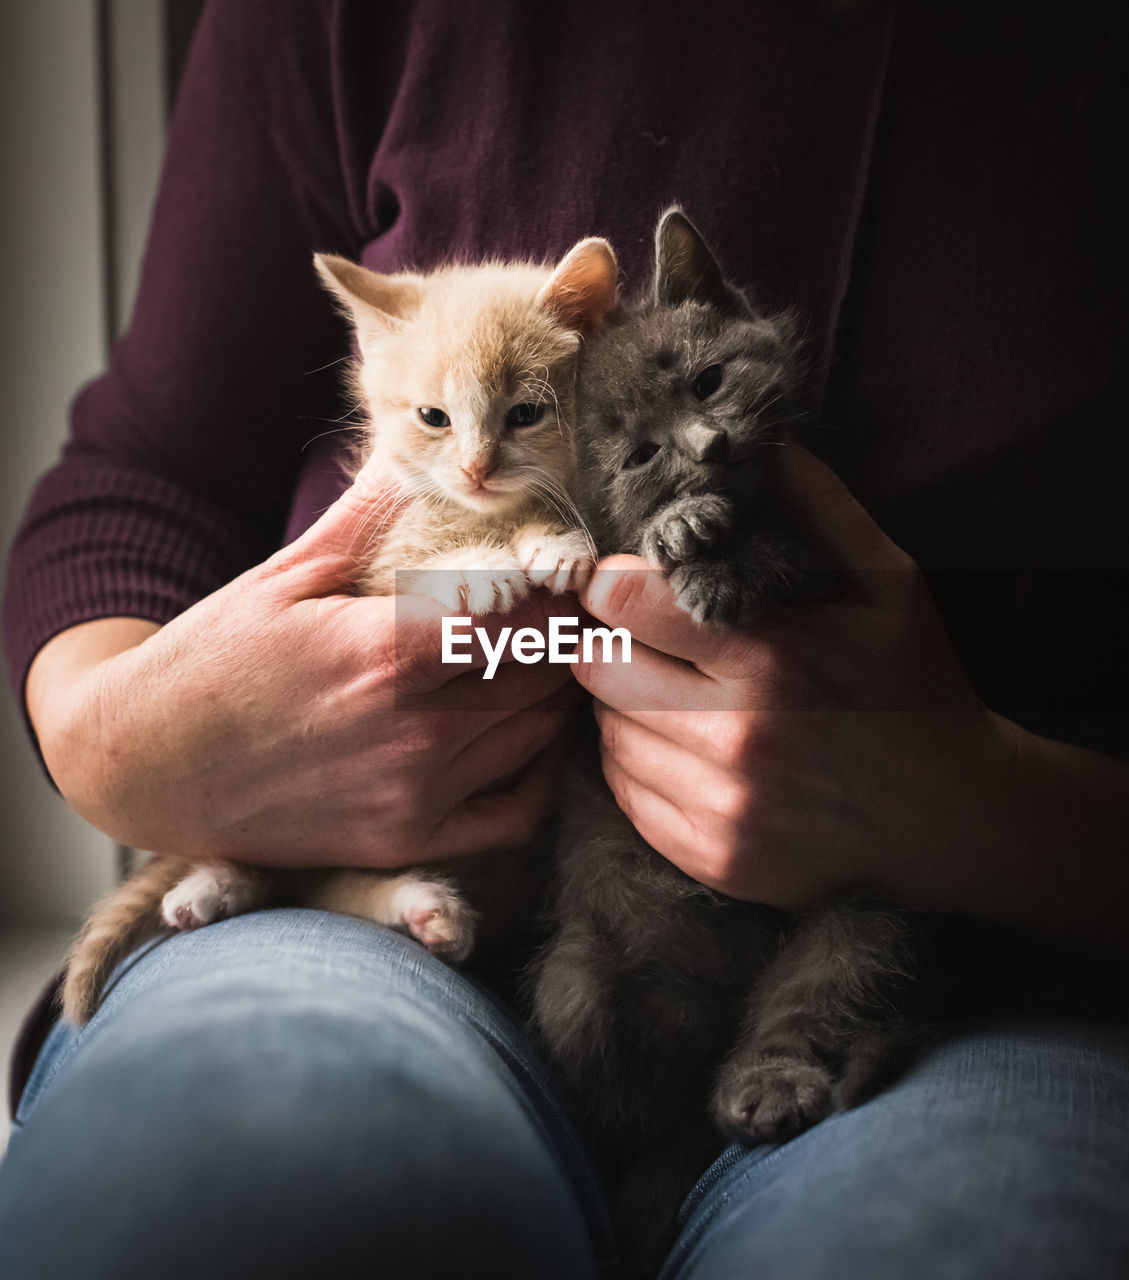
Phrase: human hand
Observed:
(284, 721)
(833, 745)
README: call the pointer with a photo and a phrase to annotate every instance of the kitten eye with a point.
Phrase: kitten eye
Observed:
(525, 415)
(641, 456)
(434, 417)
(708, 381)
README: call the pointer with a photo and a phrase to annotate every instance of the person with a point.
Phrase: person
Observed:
(941, 196)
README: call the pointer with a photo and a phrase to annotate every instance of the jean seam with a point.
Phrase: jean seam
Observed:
(730, 1174)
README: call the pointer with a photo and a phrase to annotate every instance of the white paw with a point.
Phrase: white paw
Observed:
(475, 579)
(434, 914)
(559, 561)
(206, 895)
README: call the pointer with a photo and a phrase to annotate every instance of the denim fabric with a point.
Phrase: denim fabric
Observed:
(295, 1094)
(1003, 1154)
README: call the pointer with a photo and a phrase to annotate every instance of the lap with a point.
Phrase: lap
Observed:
(297, 1093)
(1004, 1151)
(314, 1095)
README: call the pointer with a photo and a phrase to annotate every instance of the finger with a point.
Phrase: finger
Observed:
(624, 592)
(509, 746)
(332, 552)
(642, 742)
(663, 825)
(656, 761)
(504, 819)
(651, 685)
(514, 687)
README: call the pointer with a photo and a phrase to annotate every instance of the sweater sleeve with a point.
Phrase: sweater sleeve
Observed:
(181, 459)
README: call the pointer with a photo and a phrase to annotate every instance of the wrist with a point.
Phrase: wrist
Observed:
(1038, 844)
(986, 812)
(72, 713)
(953, 816)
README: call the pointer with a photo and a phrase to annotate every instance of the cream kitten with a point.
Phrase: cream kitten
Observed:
(466, 378)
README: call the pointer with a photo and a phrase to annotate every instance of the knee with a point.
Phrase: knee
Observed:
(289, 1127)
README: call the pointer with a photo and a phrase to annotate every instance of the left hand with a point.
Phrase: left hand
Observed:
(830, 746)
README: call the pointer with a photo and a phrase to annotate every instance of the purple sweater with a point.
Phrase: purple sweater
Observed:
(940, 189)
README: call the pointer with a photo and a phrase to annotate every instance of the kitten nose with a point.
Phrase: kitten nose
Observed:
(704, 444)
(479, 469)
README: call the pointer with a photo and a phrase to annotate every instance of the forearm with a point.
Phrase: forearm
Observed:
(1045, 845)
(63, 703)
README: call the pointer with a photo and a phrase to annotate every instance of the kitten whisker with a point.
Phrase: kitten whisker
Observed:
(357, 408)
(328, 365)
(542, 387)
(333, 431)
(551, 489)
(379, 516)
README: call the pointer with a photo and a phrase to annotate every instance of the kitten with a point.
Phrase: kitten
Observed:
(467, 378)
(676, 1015)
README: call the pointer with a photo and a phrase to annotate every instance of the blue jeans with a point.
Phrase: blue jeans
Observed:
(297, 1094)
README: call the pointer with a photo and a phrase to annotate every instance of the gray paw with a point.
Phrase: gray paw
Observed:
(685, 529)
(771, 1099)
(708, 593)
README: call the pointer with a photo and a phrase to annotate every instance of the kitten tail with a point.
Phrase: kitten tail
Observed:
(117, 924)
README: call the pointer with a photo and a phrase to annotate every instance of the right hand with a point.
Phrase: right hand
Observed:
(282, 720)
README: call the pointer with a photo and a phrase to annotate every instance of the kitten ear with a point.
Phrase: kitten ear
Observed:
(582, 290)
(686, 271)
(376, 304)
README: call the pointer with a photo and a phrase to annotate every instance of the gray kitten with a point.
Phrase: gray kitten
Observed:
(676, 1015)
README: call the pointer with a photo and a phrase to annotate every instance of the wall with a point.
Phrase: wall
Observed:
(81, 121)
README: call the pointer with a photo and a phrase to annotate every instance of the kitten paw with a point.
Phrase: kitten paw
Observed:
(708, 593)
(434, 914)
(558, 561)
(772, 1099)
(206, 895)
(475, 579)
(686, 528)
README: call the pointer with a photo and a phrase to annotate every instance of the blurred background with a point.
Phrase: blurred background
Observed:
(85, 90)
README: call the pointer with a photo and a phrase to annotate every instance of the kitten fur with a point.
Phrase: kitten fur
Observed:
(488, 354)
(678, 1018)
